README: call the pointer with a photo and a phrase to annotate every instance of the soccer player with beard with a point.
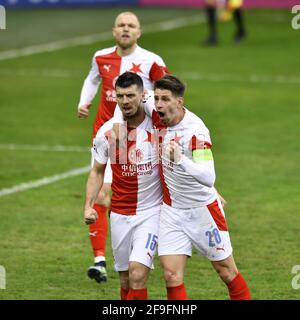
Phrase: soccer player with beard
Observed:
(136, 189)
(192, 214)
(107, 65)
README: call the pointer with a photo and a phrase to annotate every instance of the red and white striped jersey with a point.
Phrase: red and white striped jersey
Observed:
(185, 184)
(107, 65)
(180, 182)
(135, 168)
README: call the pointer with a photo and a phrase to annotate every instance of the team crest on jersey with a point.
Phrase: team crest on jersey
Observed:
(135, 156)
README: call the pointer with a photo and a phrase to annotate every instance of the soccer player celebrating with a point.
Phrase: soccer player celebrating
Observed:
(107, 65)
(192, 214)
(136, 191)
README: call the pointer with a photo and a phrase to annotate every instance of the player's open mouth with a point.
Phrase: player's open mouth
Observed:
(161, 114)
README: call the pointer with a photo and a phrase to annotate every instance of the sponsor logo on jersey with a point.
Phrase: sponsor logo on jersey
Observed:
(111, 95)
(93, 234)
(107, 67)
(133, 170)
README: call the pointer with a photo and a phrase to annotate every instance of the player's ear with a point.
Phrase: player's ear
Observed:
(139, 34)
(114, 32)
(180, 101)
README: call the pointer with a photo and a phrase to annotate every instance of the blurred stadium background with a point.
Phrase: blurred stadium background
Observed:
(247, 94)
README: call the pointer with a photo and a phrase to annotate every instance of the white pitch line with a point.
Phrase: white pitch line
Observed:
(92, 38)
(254, 78)
(46, 148)
(214, 77)
(44, 181)
(29, 72)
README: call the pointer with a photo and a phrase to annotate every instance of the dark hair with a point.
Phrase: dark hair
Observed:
(171, 83)
(128, 79)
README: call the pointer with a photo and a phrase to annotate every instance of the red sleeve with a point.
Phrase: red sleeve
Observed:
(157, 72)
(196, 144)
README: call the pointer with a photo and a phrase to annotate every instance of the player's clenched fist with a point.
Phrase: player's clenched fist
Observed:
(83, 111)
(173, 152)
(90, 215)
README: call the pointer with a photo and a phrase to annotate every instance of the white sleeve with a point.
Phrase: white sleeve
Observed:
(204, 172)
(90, 85)
(100, 149)
(160, 61)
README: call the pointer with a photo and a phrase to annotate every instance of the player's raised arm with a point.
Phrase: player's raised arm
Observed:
(89, 91)
(201, 167)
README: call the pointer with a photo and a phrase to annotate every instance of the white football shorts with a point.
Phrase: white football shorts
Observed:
(203, 227)
(134, 238)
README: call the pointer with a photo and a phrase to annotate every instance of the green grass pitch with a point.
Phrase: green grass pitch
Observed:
(248, 96)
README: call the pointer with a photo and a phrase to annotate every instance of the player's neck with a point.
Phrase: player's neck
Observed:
(178, 118)
(135, 121)
(125, 51)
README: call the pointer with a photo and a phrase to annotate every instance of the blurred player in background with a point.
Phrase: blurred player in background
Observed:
(107, 65)
(227, 10)
(192, 214)
(136, 190)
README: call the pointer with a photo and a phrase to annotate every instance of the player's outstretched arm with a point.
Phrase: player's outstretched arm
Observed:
(93, 186)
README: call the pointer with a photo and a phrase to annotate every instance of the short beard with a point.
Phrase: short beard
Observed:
(126, 46)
